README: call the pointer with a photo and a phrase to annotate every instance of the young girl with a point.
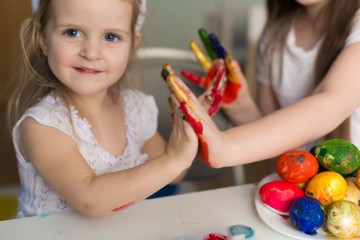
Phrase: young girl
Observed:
(83, 141)
(309, 84)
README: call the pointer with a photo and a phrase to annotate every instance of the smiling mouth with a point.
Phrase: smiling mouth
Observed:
(86, 70)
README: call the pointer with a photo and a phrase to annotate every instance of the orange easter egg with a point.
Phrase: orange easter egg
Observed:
(297, 166)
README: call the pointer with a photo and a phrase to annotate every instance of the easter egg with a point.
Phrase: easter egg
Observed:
(307, 214)
(327, 187)
(338, 155)
(297, 166)
(353, 191)
(215, 236)
(278, 195)
(343, 219)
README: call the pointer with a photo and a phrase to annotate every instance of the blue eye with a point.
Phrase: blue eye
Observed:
(72, 33)
(111, 37)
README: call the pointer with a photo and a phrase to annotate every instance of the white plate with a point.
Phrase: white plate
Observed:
(280, 223)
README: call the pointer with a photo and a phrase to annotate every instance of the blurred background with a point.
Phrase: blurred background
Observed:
(169, 25)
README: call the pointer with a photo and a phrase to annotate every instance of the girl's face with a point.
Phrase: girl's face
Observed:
(88, 43)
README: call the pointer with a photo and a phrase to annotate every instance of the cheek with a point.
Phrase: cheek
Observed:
(118, 62)
(57, 59)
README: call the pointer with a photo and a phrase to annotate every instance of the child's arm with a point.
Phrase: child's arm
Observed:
(156, 146)
(58, 160)
(308, 119)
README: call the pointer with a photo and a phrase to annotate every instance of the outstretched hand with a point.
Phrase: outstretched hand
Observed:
(219, 64)
(194, 114)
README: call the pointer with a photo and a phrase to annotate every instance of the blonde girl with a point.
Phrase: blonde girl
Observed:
(82, 140)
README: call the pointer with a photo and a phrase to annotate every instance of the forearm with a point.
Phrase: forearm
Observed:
(243, 111)
(281, 131)
(100, 195)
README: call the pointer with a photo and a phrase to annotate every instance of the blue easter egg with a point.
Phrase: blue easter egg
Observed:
(307, 214)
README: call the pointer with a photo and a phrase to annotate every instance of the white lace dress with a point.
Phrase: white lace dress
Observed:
(36, 197)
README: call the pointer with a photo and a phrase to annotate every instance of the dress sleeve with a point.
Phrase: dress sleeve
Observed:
(142, 111)
(355, 31)
(149, 115)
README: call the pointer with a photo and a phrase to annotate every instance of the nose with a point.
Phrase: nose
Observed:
(90, 49)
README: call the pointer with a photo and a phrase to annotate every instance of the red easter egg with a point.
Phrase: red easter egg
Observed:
(297, 166)
(278, 195)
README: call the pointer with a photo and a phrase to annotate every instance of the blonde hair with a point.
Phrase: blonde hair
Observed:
(337, 17)
(34, 78)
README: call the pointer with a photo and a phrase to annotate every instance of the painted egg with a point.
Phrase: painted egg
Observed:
(327, 187)
(343, 219)
(338, 155)
(297, 166)
(278, 195)
(215, 236)
(353, 191)
(307, 214)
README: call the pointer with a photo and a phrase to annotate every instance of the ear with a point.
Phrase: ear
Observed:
(42, 43)
(137, 39)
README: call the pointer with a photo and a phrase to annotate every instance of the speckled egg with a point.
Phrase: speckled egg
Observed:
(353, 191)
(215, 236)
(327, 187)
(307, 214)
(338, 155)
(278, 195)
(297, 166)
(343, 219)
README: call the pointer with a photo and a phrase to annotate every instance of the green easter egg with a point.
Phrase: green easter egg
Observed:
(338, 155)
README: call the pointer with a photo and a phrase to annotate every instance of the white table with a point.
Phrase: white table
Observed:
(193, 214)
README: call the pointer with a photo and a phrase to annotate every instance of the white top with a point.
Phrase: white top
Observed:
(294, 79)
(36, 197)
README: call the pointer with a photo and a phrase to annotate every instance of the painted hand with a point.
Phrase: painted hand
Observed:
(187, 107)
(217, 64)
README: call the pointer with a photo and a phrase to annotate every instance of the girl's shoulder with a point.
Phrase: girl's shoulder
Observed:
(50, 111)
(47, 106)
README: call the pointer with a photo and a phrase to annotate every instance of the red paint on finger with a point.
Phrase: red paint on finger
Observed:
(231, 92)
(192, 77)
(217, 91)
(196, 125)
(123, 207)
(203, 151)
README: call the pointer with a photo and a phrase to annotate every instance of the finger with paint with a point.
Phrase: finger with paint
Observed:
(187, 108)
(233, 82)
(215, 51)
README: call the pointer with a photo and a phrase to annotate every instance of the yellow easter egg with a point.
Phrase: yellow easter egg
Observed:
(327, 187)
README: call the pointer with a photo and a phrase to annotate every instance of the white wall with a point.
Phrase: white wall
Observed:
(173, 23)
